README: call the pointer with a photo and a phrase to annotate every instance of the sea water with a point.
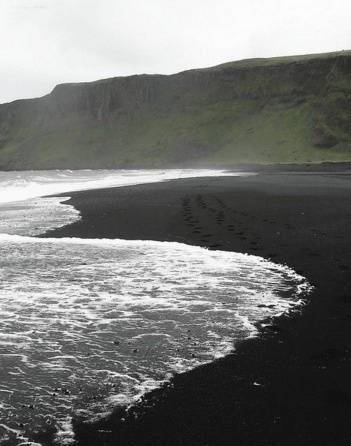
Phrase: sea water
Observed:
(88, 324)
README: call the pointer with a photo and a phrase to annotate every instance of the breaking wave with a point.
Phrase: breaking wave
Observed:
(88, 324)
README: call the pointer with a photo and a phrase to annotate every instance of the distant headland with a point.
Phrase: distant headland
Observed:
(279, 110)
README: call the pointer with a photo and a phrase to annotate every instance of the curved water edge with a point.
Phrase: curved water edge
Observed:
(25, 185)
(36, 216)
(90, 324)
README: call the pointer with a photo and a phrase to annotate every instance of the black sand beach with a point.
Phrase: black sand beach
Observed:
(301, 363)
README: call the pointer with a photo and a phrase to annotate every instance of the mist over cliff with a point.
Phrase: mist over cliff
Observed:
(290, 109)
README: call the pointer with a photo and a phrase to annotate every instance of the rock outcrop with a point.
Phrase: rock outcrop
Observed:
(293, 109)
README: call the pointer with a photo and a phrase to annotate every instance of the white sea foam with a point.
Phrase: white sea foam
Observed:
(88, 324)
(103, 321)
(25, 211)
(19, 186)
(36, 216)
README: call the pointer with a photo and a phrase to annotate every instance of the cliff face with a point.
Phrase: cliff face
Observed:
(294, 109)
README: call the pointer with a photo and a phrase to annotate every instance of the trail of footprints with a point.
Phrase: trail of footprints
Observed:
(227, 218)
(232, 224)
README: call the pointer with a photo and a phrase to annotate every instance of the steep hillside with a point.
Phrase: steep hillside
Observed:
(290, 109)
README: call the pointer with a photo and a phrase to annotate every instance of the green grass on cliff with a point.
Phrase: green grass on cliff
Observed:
(281, 110)
(217, 135)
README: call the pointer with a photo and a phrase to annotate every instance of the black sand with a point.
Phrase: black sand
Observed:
(303, 363)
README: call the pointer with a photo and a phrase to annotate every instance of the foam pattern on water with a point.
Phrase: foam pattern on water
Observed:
(88, 323)
(24, 185)
(36, 216)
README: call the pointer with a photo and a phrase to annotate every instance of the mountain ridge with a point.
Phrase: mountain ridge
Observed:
(277, 110)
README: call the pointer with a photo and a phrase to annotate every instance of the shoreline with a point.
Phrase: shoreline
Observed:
(302, 362)
(315, 167)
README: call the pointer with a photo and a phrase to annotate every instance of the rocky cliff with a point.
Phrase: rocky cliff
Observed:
(292, 109)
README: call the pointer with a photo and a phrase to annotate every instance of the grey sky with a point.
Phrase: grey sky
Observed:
(46, 42)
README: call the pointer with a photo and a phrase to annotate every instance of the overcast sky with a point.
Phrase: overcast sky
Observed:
(46, 42)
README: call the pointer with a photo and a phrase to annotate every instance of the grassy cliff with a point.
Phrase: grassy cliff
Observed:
(279, 110)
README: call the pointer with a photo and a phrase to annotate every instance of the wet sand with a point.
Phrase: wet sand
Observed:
(292, 384)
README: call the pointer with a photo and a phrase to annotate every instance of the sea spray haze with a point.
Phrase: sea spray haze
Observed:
(87, 324)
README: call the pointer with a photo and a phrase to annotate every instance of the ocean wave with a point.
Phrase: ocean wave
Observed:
(19, 186)
(88, 323)
(91, 323)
